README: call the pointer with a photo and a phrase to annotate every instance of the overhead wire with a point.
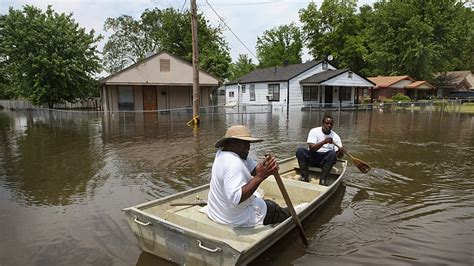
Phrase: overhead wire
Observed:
(235, 35)
(207, 17)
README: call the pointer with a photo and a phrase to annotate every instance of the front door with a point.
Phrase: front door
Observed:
(149, 98)
(328, 95)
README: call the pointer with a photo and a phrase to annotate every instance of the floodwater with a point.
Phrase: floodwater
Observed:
(66, 176)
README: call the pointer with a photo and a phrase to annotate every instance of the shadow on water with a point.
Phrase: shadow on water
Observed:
(290, 246)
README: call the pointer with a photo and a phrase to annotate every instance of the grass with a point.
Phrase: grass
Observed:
(467, 108)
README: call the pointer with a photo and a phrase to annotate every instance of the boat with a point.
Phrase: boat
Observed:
(175, 227)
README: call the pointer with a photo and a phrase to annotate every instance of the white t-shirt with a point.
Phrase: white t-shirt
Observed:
(316, 135)
(229, 174)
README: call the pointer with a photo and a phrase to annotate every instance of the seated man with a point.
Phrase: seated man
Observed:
(321, 151)
(235, 178)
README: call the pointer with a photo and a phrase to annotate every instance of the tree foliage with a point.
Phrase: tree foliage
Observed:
(131, 40)
(46, 56)
(168, 30)
(419, 38)
(280, 44)
(242, 67)
(335, 30)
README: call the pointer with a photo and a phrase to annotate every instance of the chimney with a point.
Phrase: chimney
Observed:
(286, 62)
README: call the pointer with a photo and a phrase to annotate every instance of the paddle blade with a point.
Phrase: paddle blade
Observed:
(363, 166)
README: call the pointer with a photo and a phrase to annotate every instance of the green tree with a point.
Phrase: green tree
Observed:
(131, 39)
(419, 38)
(280, 44)
(47, 57)
(168, 30)
(335, 30)
(242, 67)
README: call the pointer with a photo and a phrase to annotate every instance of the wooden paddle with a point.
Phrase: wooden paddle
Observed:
(363, 166)
(296, 220)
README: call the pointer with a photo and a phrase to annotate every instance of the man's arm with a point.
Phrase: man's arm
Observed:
(262, 171)
(317, 146)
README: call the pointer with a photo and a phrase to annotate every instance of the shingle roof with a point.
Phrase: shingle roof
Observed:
(323, 76)
(451, 78)
(386, 81)
(104, 80)
(418, 83)
(280, 73)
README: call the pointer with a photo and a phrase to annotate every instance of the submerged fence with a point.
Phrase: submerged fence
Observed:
(89, 104)
(94, 104)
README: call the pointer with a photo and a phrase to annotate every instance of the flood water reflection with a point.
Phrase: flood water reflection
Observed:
(66, 176)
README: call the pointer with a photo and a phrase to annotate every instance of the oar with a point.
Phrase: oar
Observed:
(296, 220)
(363, 166)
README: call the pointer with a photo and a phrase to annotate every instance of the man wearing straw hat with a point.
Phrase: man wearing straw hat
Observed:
(235, 178)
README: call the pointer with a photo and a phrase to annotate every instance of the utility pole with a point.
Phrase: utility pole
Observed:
(196, 92)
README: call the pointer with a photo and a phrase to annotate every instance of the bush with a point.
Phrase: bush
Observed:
(400, 98)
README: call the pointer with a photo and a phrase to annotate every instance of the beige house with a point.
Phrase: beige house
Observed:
(159, 82)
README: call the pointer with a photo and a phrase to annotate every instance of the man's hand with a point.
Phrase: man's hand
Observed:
(268, 167)
(340, 153)
(328, 140)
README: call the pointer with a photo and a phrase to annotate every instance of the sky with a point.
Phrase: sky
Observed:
(247, 19)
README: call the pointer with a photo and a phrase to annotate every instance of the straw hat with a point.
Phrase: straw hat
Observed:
(237, 132)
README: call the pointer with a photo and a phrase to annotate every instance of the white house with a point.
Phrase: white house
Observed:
(314, 83)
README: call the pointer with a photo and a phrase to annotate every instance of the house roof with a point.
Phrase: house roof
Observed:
(418, 84)
(327, 75)
(323, 76)
(104, 80)
(279, 73)
(387, 81)
(451, 78)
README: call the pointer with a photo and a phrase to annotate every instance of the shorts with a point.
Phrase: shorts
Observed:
(275, 213)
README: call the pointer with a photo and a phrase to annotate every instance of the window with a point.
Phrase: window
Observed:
(345, 93)
(165, 65)
(231, 94)
(273, 92)
(310, 93)
(243, 88)
(125, 98)
(252, 92)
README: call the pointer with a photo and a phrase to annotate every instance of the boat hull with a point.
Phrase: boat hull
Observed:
(185, 235)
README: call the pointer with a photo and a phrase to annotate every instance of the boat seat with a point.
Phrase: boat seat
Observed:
(334, 170)
(190, 216)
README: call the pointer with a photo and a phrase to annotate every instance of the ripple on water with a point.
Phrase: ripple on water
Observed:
(363, 222)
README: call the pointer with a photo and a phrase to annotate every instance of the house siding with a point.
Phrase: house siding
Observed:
(173, 86)
(296, 89)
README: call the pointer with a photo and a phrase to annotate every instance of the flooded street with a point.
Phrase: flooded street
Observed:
(66, 176)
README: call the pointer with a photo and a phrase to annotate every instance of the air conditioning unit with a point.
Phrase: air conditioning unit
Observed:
(269, 97)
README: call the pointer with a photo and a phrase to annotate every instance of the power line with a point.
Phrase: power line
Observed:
(208, 18)
(183, 6)
(221, 19)
(255, 3)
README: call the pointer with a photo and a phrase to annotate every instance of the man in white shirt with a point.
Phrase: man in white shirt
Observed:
(235, 178)
(321, 151)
